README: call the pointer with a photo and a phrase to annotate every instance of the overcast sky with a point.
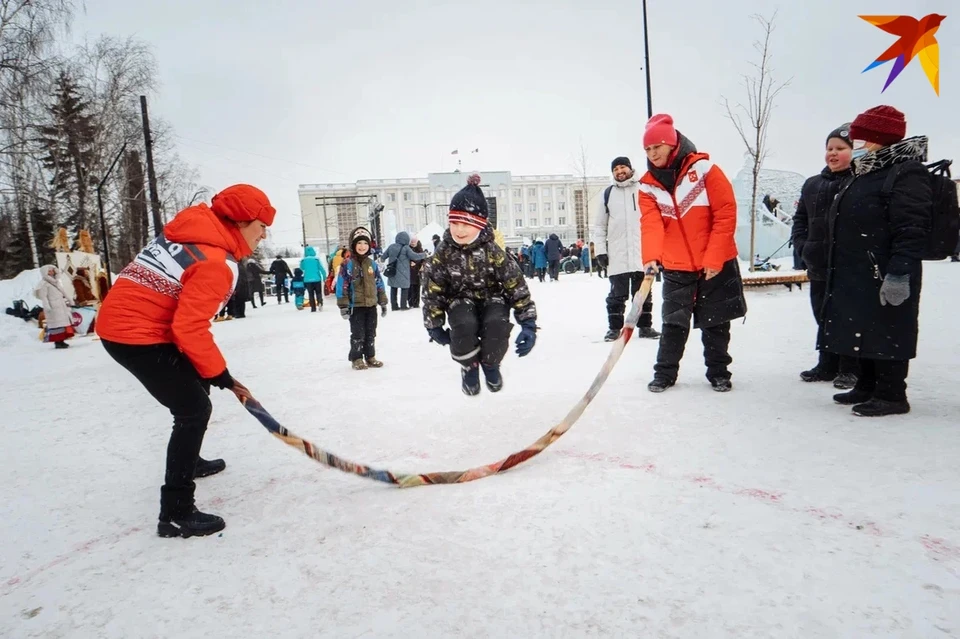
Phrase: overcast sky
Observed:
(282, 93)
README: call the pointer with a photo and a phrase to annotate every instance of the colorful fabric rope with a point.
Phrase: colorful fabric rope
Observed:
(404, 480)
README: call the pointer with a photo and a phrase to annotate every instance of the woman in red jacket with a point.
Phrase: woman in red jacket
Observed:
(155, 322)
(688, 222)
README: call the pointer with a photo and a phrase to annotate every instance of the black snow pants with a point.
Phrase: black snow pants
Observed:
(281, 290)
(623, 286)
(479, 331)
(553, 268)
(173, 381)
(829, 362)
(883, 378)
(712, 304)
(315, 291)
(363, 332)
(404, 299)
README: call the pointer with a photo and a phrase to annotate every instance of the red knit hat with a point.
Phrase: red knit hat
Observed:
(659, 130)
(882, 125)
(243, 203)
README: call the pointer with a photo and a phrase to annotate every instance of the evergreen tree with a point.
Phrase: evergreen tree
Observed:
(68, 142)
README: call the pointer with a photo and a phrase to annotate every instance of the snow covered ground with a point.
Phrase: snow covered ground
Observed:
(765, 512)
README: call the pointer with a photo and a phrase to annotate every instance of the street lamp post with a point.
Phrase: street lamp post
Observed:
(646, 61)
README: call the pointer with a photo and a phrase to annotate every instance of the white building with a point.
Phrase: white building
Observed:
(524, 206)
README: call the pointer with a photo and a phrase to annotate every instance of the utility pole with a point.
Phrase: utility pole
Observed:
(646, 61)
(151, 174)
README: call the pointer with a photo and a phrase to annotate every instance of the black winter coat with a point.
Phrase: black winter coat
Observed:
(280, 270)
(254, 273)
(810, 221)
(871, 235)
(554, 248)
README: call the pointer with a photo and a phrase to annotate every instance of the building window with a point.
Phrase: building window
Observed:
(546, 206)
(547, 221)
(533, 221)
(423, 197)
(407, 196)
(561, 206)
(545, 191)
(391, 197)
(518, 223)
(518, 208)
(533, 207)
(561, 191)
(562, 221)
(517, 193)
(532, 192)
(408, 213)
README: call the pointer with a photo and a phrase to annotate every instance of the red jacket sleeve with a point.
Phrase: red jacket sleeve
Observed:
(723, 207)
(651, 229)
(205, 287)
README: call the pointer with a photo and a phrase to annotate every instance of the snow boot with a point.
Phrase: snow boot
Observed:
(193, 524)
(648, 332)
(845, 381)
(60, 345)
(359, 365)
(205, 468)
(817, 374)
(659, 384)
(470, 380)
(611, 335)
(881, 407)
(852, 397)
(373, 362)
(493, 377)
(721, 384)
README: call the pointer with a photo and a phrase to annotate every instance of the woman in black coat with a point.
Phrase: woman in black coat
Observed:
(810, 248)
(255, 281)
(876, 245)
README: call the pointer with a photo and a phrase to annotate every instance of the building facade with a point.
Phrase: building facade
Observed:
(521, 207)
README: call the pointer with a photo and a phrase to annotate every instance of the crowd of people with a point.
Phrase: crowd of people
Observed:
(862, 230)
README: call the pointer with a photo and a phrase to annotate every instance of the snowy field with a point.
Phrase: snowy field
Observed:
(765, 512)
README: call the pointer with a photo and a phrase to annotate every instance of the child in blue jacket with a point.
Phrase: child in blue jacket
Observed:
(297, 287)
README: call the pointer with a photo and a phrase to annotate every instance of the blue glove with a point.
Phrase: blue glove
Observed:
(527, 337)
(895, 289)
(439, 335)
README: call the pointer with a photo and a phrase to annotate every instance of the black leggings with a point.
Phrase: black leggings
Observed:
(173, 381)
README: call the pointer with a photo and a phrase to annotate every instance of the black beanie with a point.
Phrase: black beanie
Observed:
(358, 234)
(625, 161)
(469, 206)
(842, 132)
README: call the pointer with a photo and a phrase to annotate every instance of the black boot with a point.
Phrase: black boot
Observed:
(493, 377)
(721, 384)
(855, 396)
(845, 381)
(611, 335)
(60, 345)
(818, 374)
(648, 332)
(205, 468)
(193, 524)
(470, 378)
(880, 407)
(659, 384)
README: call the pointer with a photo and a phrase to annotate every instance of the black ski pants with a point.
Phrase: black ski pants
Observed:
(883, 378)
(315, 292)
(173, 381)
(712, 304)
(828, 362)
(281, 290)
(413, 293)
(479, 331)
(623, 286)
(363, 332)
(553, 268)
(404, 298)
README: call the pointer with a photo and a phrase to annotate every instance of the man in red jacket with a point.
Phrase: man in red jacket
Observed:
(155, 322)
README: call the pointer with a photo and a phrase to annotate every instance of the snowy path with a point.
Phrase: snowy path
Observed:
(765, 512)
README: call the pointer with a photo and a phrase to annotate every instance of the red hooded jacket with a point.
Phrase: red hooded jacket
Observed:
(182, 279)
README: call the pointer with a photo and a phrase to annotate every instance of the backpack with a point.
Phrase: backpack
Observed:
(606, 198)
(945, 216)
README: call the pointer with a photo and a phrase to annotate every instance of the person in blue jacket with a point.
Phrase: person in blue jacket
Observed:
(540, 259)
(297, 287)
(313, 276)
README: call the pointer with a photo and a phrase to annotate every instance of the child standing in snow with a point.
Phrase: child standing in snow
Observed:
(359, 290)
(471, 282)
(57, 325)
(297, 287)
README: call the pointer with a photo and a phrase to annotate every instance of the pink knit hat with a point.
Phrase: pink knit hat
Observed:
(659, 130)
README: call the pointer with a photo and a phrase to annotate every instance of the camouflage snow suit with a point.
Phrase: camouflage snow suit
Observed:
(474, 287)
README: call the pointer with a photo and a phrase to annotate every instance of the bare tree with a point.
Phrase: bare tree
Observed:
(762, 92)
